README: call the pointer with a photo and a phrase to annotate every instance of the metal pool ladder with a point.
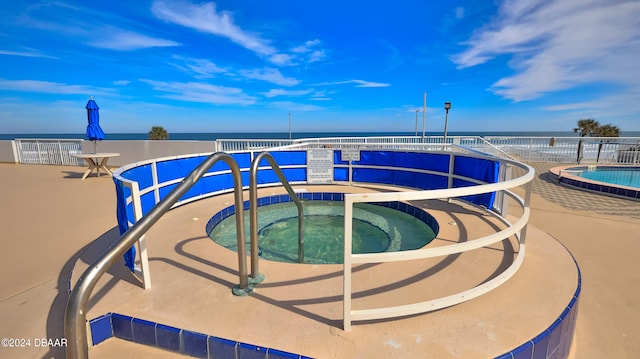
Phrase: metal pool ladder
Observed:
(256, 277)
(75, 321)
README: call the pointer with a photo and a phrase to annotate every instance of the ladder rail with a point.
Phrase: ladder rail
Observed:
(253, 211)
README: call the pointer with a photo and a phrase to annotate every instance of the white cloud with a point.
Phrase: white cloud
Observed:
(297, 107)
(459, 13)
(205, 17)
(270, 75)
(201, 92)
(281, 59)
(359, 83)
(37, 86)
(123, 40)
(558, 45)
(202, 68)
(27, 53)
(614, 104)
(309, 52)
(281, 92)
(88, 26)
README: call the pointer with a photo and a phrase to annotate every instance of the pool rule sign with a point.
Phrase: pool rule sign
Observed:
(350, 154)
(320, 165)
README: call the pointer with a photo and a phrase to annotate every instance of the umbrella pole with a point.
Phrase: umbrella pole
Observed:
(95, 149)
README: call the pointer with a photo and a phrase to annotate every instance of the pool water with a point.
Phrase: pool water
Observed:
(622, 176)
(375, 229)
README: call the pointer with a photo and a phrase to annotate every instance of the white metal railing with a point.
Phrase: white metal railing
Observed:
(624, 150)
(570, 149)
(49, 151)
(235, 145)
(610, 150)
(518, 229)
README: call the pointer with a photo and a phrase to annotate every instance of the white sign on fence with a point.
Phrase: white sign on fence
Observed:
(319, 165)
(350, 154)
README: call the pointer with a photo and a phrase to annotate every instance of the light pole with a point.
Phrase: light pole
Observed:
(447, 106)
(418, 110)
(424, 116)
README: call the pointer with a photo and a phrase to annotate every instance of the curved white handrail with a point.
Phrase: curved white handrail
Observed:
(518, 229)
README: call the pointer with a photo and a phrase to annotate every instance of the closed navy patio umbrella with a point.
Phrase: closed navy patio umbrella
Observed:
(94, 132)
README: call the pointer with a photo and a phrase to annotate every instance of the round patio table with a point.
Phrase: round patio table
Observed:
(96, 161)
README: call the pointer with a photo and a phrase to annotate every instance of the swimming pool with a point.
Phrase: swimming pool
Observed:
(625, 176)
(619, 181)
(384, 227)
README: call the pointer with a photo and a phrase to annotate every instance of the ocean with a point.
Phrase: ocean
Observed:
(296, 135)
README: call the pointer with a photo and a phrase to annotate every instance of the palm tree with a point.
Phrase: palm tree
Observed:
(158, 133)
(607, 130)
(590, 127)
(586, 127)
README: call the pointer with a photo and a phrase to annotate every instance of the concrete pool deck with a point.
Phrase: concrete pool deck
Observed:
(50, 218)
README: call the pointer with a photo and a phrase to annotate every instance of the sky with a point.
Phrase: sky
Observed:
(339, 66)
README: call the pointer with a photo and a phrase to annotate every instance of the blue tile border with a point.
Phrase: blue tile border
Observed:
(122, 326)
(168, 337)
(194, 344)
(555, 341)
(552, 343)
(182, 341)
(144, 332)
(101, 329)
(222, 348)
(409, 209)
(603, 188)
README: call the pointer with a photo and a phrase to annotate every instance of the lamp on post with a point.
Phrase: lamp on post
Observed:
(447, 106)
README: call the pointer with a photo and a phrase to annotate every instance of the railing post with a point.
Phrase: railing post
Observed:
(346, 286)
(154, 181)
(142, 243)
(39, 153)
(15, 145)
(451, 170)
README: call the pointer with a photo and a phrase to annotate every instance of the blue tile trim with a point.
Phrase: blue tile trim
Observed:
(194, 344)
(505, 356)
(416, 212)
(221, 348)
(168, 337)
(101, 329)
(598, 188)
(122, 326)
(249, 351)
(523, 352)
(279, 354)
(555, 341)
(144, 332)
(179, 340)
